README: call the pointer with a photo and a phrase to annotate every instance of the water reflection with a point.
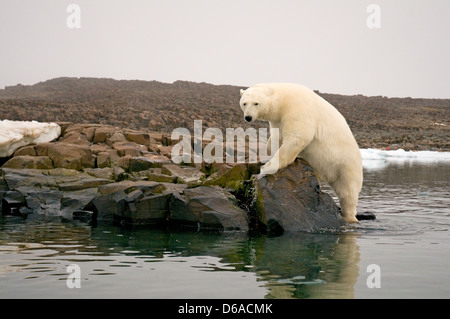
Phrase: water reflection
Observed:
(297, 265)
(300, 265)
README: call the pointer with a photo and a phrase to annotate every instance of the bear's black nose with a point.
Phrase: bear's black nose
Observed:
(248, 118)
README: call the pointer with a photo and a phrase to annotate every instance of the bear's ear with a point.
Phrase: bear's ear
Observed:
(269, 91)
(242, 92)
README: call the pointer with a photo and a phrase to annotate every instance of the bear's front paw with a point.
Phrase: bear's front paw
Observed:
(269, 168)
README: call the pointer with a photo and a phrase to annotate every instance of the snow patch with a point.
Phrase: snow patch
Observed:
(15, 134)
(375, 158)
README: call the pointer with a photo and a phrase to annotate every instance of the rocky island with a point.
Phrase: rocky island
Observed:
(105, 174)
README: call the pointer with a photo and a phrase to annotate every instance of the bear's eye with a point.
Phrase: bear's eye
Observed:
(245, 104)
(256, 104)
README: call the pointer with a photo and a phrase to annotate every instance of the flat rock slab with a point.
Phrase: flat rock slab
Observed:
(185, 174)
(141, 163)
(27, 161)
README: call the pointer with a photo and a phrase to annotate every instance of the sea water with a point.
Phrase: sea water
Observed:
(404, 253)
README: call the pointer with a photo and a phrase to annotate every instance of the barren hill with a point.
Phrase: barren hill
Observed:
(376, 121)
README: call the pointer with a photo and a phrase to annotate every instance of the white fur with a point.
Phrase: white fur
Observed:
(313, 129)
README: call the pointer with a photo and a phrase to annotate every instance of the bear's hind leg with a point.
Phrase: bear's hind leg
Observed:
(348, 207)
(348, 199)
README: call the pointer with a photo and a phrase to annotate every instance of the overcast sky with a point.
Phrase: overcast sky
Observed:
(324, 44)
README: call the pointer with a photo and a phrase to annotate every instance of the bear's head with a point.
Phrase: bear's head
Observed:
(256, 103)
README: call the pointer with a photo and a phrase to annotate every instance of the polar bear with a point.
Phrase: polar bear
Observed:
(313, 129)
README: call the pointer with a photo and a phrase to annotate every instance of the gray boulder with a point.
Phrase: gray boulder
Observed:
(291, 200)
(134, 202)
(54, 192)
(207, 208)
(108, 202)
